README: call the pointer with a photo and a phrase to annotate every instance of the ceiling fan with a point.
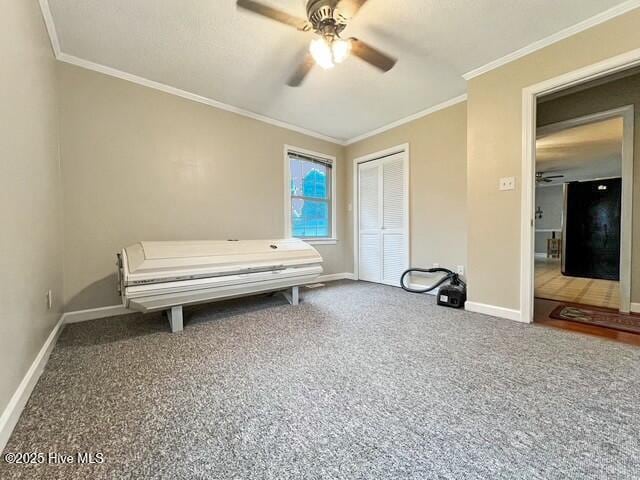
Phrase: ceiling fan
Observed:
(327, 19)
(541, 178)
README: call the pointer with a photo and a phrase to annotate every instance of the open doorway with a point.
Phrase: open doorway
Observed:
(578, 213)
(563, 117)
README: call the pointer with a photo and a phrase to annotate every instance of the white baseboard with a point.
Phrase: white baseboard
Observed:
(94, 313)
(635, 308)
(332, 277)
(12, 412)
(115, 310)
(540, 255)
(494, 311)
(14, 408)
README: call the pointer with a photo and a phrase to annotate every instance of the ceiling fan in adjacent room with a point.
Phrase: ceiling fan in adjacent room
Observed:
(327, 19)
(542, 177)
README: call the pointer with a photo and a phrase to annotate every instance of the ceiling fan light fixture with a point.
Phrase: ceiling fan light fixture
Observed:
(340, 49)
(327, 19)
(322, 53)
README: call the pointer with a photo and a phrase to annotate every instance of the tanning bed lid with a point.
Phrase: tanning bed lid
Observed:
(152, 261)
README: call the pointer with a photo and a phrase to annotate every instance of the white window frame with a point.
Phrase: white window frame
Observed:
(287, 194)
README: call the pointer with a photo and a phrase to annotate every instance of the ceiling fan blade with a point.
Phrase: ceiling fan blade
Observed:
(273, 14)
(302, 71)
(349, 8)
(372, 55)
(555, 176)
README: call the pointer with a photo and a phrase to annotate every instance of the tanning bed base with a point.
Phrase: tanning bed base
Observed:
(164, 276)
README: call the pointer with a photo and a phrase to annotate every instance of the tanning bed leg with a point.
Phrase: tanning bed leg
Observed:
(294, 297)
(175, 318)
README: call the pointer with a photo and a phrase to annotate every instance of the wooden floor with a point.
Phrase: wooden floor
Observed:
(542, 309)
(553, 289)
(550, 284)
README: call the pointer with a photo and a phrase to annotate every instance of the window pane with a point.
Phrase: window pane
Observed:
(310, 179)
(310, 218)
(296, 177)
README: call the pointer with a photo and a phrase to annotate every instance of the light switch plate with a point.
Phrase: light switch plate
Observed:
(507, 183)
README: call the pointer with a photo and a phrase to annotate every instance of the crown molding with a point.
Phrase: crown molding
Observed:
(602, 17)
(441, 106)
(113, 72)
(51, 27)
(80, 62)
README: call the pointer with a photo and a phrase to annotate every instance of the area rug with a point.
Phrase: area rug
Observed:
(600, 318)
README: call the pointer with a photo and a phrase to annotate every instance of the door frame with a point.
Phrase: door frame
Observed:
(404, 148)
(529, 128)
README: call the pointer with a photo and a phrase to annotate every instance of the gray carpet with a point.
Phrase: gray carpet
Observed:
(361, 381)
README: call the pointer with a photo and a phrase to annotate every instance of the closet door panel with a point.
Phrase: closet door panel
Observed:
(394, 258)
(370, 252)
(393, 195)
(369, 197)
(370, 258)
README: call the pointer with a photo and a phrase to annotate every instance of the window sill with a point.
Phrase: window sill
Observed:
(321, 241)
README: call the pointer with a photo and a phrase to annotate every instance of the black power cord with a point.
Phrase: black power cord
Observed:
(450, 277)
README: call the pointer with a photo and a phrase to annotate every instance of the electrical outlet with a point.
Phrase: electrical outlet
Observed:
(460, 269)
(49, 299)
(507, 183)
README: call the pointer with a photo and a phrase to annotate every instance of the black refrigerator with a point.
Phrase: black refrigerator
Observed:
(592, 212)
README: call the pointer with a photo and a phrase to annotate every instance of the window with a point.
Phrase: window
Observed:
(310, 196)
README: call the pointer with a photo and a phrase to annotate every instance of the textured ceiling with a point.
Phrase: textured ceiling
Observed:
(209, 48)
(586, 152)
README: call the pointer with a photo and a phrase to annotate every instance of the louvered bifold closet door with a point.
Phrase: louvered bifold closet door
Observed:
(370, 222)
(383, 219)
(394, 240)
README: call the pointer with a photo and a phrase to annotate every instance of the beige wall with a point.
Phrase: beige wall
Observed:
(619, 93)
(495, 150)
(31, 239)
(438, 154)
(141, 164)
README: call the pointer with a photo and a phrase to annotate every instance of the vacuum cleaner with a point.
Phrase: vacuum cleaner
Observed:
(452, 295)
